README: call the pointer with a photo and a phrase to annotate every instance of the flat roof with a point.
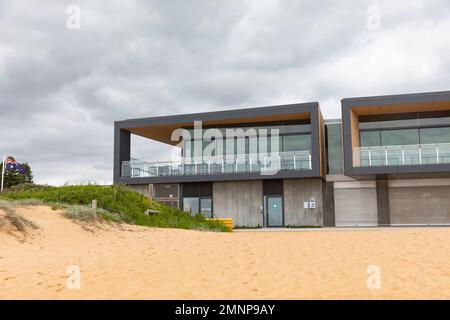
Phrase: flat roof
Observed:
(399, 98)
(160, 128)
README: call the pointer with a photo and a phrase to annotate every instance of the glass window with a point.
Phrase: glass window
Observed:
(190, 204)
(370, 138)
(272, 142)
(229, 146)
(434, 121)
(389, 124)
(334, 148)
(301, 142)
(206, 207)
(209, 148)
(296, 128)
(435, 135)
(298, 138)
(399, 137)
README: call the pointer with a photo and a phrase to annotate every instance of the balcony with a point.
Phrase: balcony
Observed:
(264, 164)
(424, 154)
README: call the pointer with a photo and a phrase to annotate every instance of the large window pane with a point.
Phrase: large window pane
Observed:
(334, 148)
(370, 138)
(399, 137)
(301, 142)
(190, 204)
(435, 135)
(275, 144)
(389, 124)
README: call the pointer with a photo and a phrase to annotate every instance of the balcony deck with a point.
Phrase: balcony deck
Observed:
(403, 155)
(264, 164)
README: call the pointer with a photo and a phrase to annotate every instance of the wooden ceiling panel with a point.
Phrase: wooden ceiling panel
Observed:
(402, 108)
(163, 133)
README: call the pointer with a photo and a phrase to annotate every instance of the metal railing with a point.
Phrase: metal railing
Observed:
(422, 154)
(249, 163)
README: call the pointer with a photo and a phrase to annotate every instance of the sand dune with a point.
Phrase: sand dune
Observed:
(129, 262)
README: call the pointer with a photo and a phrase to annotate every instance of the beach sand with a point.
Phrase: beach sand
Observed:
(131, 262)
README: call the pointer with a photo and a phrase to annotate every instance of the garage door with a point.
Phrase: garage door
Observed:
(424, 205)
(355, 204)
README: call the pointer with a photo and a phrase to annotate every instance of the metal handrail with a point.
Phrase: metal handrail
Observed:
(295, 160)
(398, 155)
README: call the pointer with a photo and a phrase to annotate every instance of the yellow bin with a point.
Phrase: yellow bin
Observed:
(228, 222)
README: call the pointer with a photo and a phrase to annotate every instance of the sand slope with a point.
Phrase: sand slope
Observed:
(130, 262)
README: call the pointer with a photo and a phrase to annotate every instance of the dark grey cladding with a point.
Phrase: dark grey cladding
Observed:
(122, 142)
(412, 171)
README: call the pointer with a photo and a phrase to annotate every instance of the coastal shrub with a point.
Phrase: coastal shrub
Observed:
(119, 203)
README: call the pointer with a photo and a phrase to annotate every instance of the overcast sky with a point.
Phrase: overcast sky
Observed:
(62, 87)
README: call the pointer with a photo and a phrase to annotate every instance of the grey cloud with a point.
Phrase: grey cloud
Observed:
(61, 90)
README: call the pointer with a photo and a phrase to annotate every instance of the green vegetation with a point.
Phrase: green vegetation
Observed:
(115, 203)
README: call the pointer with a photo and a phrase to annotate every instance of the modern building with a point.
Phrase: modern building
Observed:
(386, 163)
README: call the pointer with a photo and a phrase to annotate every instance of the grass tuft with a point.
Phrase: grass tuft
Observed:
(19, 222)
(115, 203)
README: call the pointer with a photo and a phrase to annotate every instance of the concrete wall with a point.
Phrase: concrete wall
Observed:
(296, 191)
(144, 189)
(382, 187)
(239, 200)
(329, 219)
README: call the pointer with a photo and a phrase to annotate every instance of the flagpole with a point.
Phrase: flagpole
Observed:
(3, 172)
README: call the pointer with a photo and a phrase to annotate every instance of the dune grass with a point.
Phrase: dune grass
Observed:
(116, 203)
(19, 222)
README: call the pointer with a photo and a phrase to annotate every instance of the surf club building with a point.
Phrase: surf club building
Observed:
(385, 163)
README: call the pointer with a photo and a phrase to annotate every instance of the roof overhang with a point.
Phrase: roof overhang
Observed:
(353, 108)
(161, 128)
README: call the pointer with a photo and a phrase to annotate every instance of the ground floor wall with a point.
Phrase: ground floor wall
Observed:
(392, 202)
(247, 202)
(314, 202)
(419, 202)
(240, 200)
(298, 195)
(144, 189)
(168, 194)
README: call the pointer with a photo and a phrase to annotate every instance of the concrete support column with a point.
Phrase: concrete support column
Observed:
(328, 210)
(384, 216)
(122, 149)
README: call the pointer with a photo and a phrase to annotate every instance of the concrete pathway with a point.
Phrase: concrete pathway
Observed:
(337, 229)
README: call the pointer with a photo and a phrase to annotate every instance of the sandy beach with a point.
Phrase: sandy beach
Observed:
(131, 262)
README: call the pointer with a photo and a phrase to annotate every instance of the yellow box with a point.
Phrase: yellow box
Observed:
(228, 222)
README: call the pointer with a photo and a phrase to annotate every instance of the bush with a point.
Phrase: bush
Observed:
(119, 204)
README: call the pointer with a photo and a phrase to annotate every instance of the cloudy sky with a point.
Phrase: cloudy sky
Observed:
(61, 87)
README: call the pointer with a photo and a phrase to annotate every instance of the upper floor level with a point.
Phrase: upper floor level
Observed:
(396, 135)
(269, 142)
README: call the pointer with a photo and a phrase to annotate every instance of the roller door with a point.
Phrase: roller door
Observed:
(355, 204)
(421, 205)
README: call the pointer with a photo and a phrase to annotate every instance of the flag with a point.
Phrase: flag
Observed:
(13, 165)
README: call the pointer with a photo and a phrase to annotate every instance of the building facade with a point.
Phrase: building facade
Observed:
(387, 162)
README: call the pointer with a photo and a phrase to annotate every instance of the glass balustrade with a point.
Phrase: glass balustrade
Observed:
(249, 163)
(401, 155)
